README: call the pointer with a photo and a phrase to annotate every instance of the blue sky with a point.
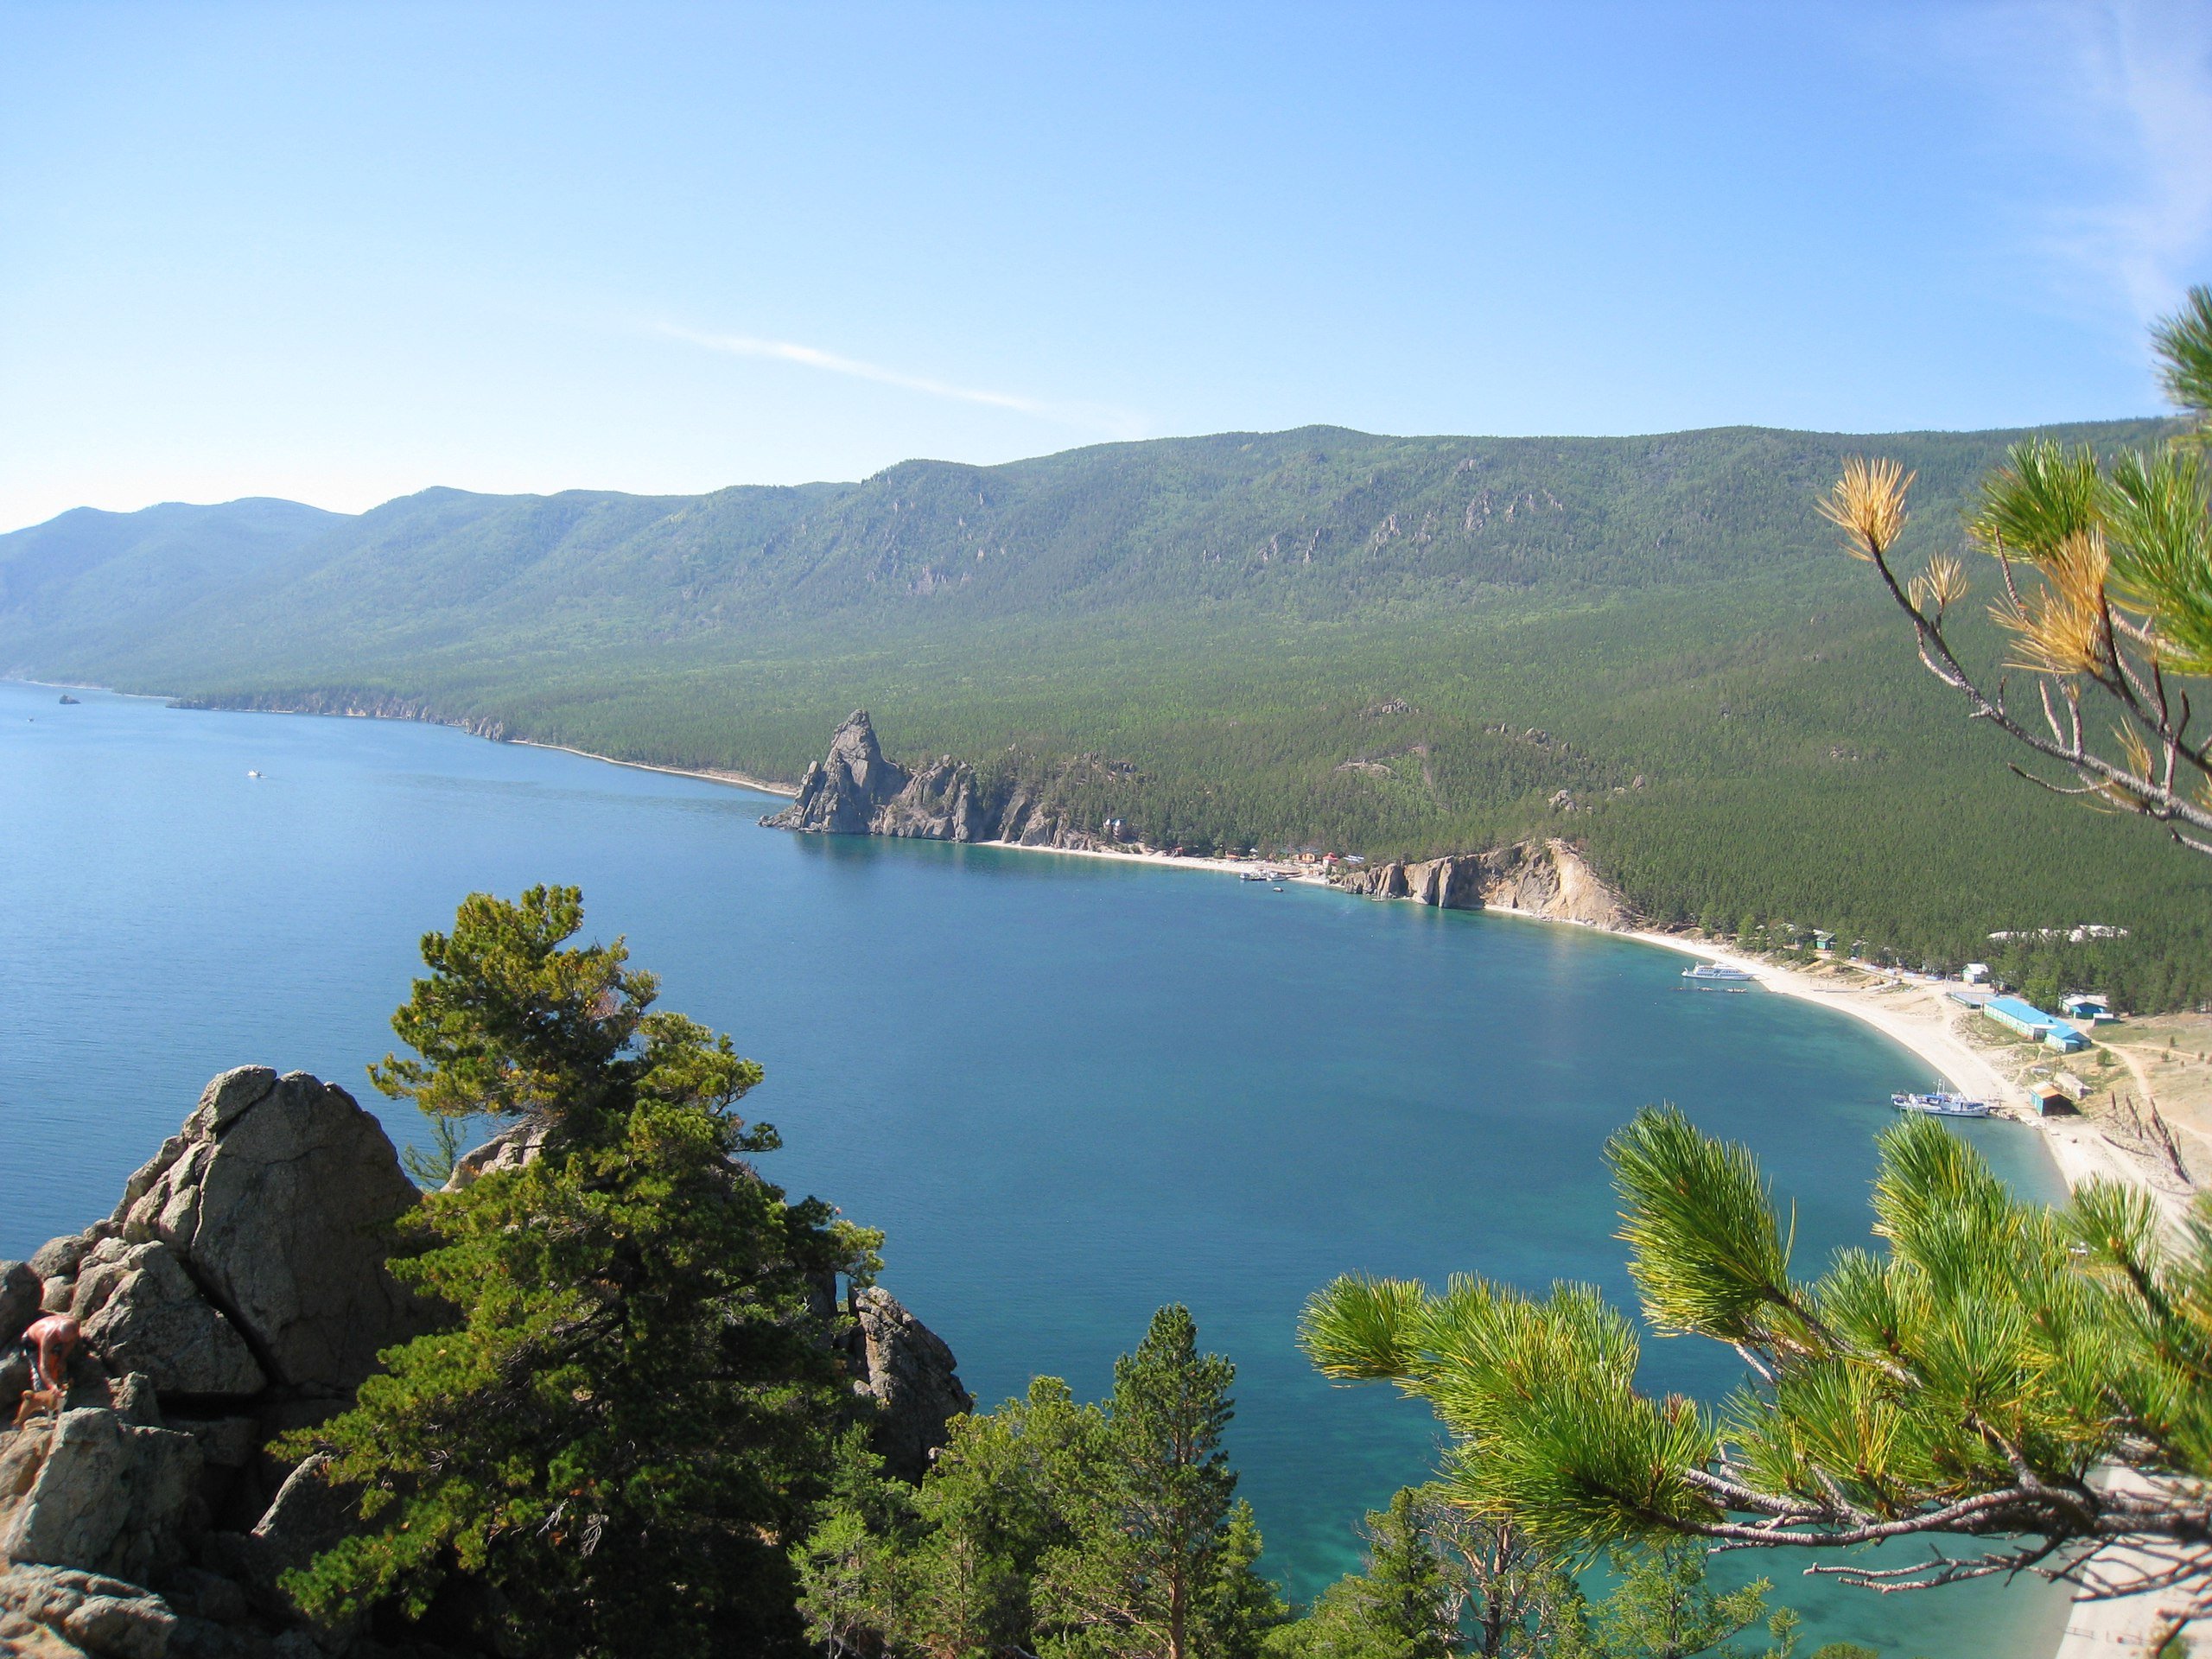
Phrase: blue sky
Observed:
(341, 253)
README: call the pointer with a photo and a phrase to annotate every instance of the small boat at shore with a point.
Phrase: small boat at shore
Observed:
(1715, 973)
(1937, 1103)
(1251, 875)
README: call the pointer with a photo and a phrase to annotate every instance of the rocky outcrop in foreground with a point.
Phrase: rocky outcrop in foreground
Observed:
(1538, 878)
(240, 1290)
(855, 790)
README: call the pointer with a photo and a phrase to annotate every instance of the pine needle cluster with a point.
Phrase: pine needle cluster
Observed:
(1966, 1382)
(2106, 571)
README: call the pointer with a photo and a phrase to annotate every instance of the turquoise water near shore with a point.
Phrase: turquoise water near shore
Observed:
(1070, 1089)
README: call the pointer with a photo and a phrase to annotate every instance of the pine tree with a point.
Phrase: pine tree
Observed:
(1047, 1527)
(1153, 1510)
(631, 1399)
(1663, 1608)
(1967, 1384)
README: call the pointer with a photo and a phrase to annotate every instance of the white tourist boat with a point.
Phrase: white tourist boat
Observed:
(1714, 973)
(1938, 1104)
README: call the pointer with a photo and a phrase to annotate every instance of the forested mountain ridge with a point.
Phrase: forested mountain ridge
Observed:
(1320, 522)
(1399, 646)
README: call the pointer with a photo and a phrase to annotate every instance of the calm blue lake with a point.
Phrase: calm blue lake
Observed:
(1070, 1090)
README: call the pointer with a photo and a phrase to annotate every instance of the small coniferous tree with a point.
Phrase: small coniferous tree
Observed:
(1663, 1608)
(1050, 1527)
(630, 1399)
(1443, 1583)
(1153, 1503)
(1411, 1602)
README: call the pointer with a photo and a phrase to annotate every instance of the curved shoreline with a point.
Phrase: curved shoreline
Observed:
(2080, 1153)
(710, 774)
(2093, 1629)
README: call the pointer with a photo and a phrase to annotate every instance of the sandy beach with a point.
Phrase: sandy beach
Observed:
(1912, 1011)
(711, 774)
(1916, 1013)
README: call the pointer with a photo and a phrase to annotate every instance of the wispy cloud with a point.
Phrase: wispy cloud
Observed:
(2113, 103)
(2147, 70)
(1117, 423)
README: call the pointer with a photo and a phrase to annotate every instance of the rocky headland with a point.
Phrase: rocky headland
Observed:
(240, 1289)
(359, 705)
(1547, 878)
(855, 790)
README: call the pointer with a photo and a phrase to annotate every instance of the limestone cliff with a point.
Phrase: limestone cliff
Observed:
(855, 790)
(1538, 878)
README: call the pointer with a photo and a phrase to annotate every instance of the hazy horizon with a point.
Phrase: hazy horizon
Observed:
(1171, 437)
(326, 254)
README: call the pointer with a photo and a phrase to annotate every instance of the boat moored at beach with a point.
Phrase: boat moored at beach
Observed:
(1937, 1103)
(1708, 972)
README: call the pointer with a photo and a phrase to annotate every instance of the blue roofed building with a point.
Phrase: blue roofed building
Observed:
(2030, 1022)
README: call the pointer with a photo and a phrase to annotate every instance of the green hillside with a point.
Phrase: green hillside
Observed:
(1212, 637)
(83, 583)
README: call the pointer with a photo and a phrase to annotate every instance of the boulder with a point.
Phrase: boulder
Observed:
(90, 1611)
(96, 1493)
(911, 1375)
(279, 1199)
(20, 1291)
(307, 1517)
(132, 1397)
(14, 1378)
(207, 1595)
(58, 1257)
(517, 1145)
(142, 1314)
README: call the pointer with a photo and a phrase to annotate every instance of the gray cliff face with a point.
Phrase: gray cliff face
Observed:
(1537, 878)
(907, 1377)
(277, 1198)
(854, 791)
(239, 1289)
(843, 794)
